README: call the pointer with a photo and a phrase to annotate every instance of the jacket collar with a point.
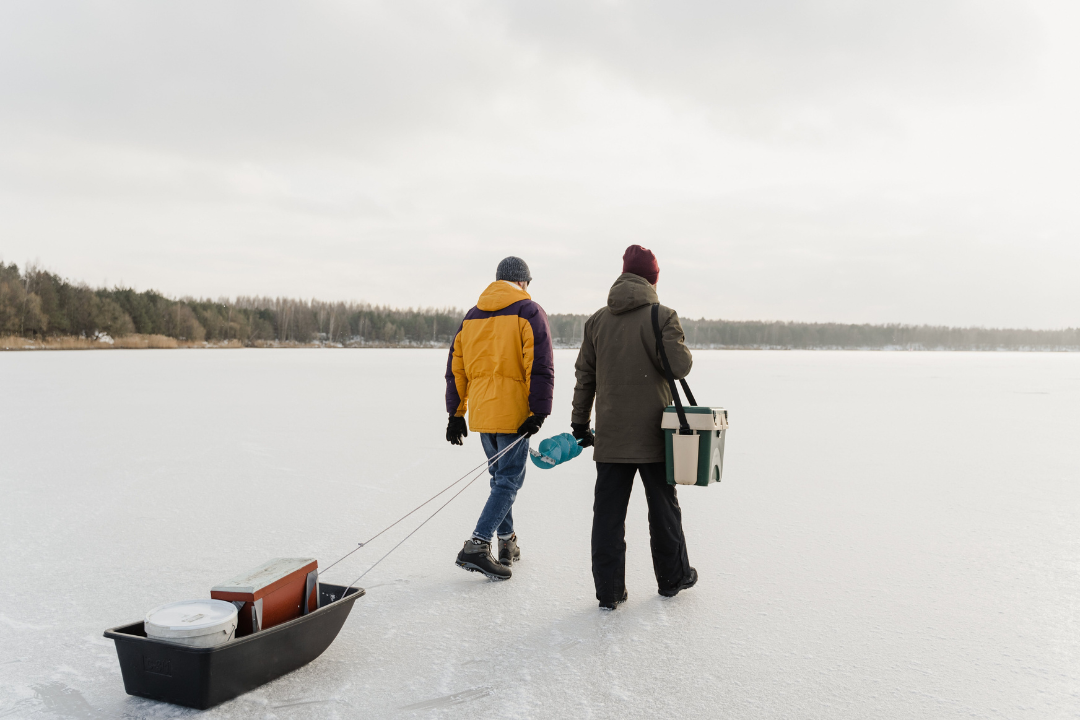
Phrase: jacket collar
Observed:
(500, 294)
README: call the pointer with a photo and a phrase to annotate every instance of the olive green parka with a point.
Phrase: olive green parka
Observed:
(619, 367)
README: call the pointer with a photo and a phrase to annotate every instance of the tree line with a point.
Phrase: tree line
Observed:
(39, 304)
(35, 303)
(776, 335)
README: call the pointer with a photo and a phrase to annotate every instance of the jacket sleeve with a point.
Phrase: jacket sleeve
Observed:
(457, 383)
(585, 370)
(539, 359)
(675, 346)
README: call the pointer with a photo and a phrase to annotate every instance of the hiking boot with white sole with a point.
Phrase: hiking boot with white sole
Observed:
(509, 552)
(476, 557)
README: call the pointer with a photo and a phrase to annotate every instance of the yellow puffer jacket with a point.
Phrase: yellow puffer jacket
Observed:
(501, 368)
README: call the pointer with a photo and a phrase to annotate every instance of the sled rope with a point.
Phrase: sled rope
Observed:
(417, 528)
(482, 468)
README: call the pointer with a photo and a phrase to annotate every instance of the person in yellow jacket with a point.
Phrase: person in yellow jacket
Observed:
(501, 371)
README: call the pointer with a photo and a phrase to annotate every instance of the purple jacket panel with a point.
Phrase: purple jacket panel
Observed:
(453, 398)
(542, 382)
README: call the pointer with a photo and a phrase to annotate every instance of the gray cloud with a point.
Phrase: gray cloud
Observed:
(787, 158)
(241, 78)
(782, 62)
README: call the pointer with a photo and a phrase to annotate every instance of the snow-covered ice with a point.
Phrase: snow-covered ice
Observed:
(897, 536)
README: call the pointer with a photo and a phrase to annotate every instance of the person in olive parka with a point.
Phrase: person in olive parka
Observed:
(619, 366)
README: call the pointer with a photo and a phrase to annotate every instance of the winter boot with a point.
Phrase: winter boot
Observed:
(612, 604)
(689, 582)
(476, 557)
(509, 552)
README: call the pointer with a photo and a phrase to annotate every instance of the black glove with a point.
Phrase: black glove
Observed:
(532, 424)
(582, 434)
(455, 430)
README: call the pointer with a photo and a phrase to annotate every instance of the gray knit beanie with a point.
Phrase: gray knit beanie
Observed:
(513, 269)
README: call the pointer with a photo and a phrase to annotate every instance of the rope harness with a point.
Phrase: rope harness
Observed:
(479, 470)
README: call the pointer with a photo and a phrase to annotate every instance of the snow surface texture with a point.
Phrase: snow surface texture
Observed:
(896, 536)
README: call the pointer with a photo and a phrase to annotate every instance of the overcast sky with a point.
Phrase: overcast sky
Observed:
(873, 161)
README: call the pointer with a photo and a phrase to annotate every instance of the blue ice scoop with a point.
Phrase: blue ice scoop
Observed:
(555, 451)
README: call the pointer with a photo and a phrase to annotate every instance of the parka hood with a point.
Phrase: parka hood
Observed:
(500, 294)
(630, 292)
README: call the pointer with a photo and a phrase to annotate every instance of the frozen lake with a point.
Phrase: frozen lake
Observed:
(897, 536)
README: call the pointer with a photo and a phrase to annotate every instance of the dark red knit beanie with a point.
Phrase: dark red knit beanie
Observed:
(641, 261)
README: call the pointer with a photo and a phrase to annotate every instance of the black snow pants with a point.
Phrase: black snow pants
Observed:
(614, 481)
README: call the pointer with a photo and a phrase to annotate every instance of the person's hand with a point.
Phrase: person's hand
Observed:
(531, 426)
(455, 430)
(582, 434)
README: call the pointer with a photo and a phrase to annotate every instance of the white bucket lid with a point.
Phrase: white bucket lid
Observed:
(190, 618)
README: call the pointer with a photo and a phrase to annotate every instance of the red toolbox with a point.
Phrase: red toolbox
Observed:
(275, 592)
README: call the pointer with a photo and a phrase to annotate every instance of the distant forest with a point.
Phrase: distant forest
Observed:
(39, 305)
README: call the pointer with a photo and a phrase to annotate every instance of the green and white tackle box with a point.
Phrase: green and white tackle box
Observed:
(696, 459)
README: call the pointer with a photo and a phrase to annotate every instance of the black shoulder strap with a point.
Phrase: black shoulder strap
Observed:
(684, 427)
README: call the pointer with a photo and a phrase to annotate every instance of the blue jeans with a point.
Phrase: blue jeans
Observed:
(507, 477)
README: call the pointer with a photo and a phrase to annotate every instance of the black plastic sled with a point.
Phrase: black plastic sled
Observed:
(204, 677)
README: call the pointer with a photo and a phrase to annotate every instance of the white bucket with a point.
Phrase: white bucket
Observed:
(195, 623)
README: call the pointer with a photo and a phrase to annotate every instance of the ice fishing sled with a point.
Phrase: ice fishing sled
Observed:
(255, 627)
(201, 677)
